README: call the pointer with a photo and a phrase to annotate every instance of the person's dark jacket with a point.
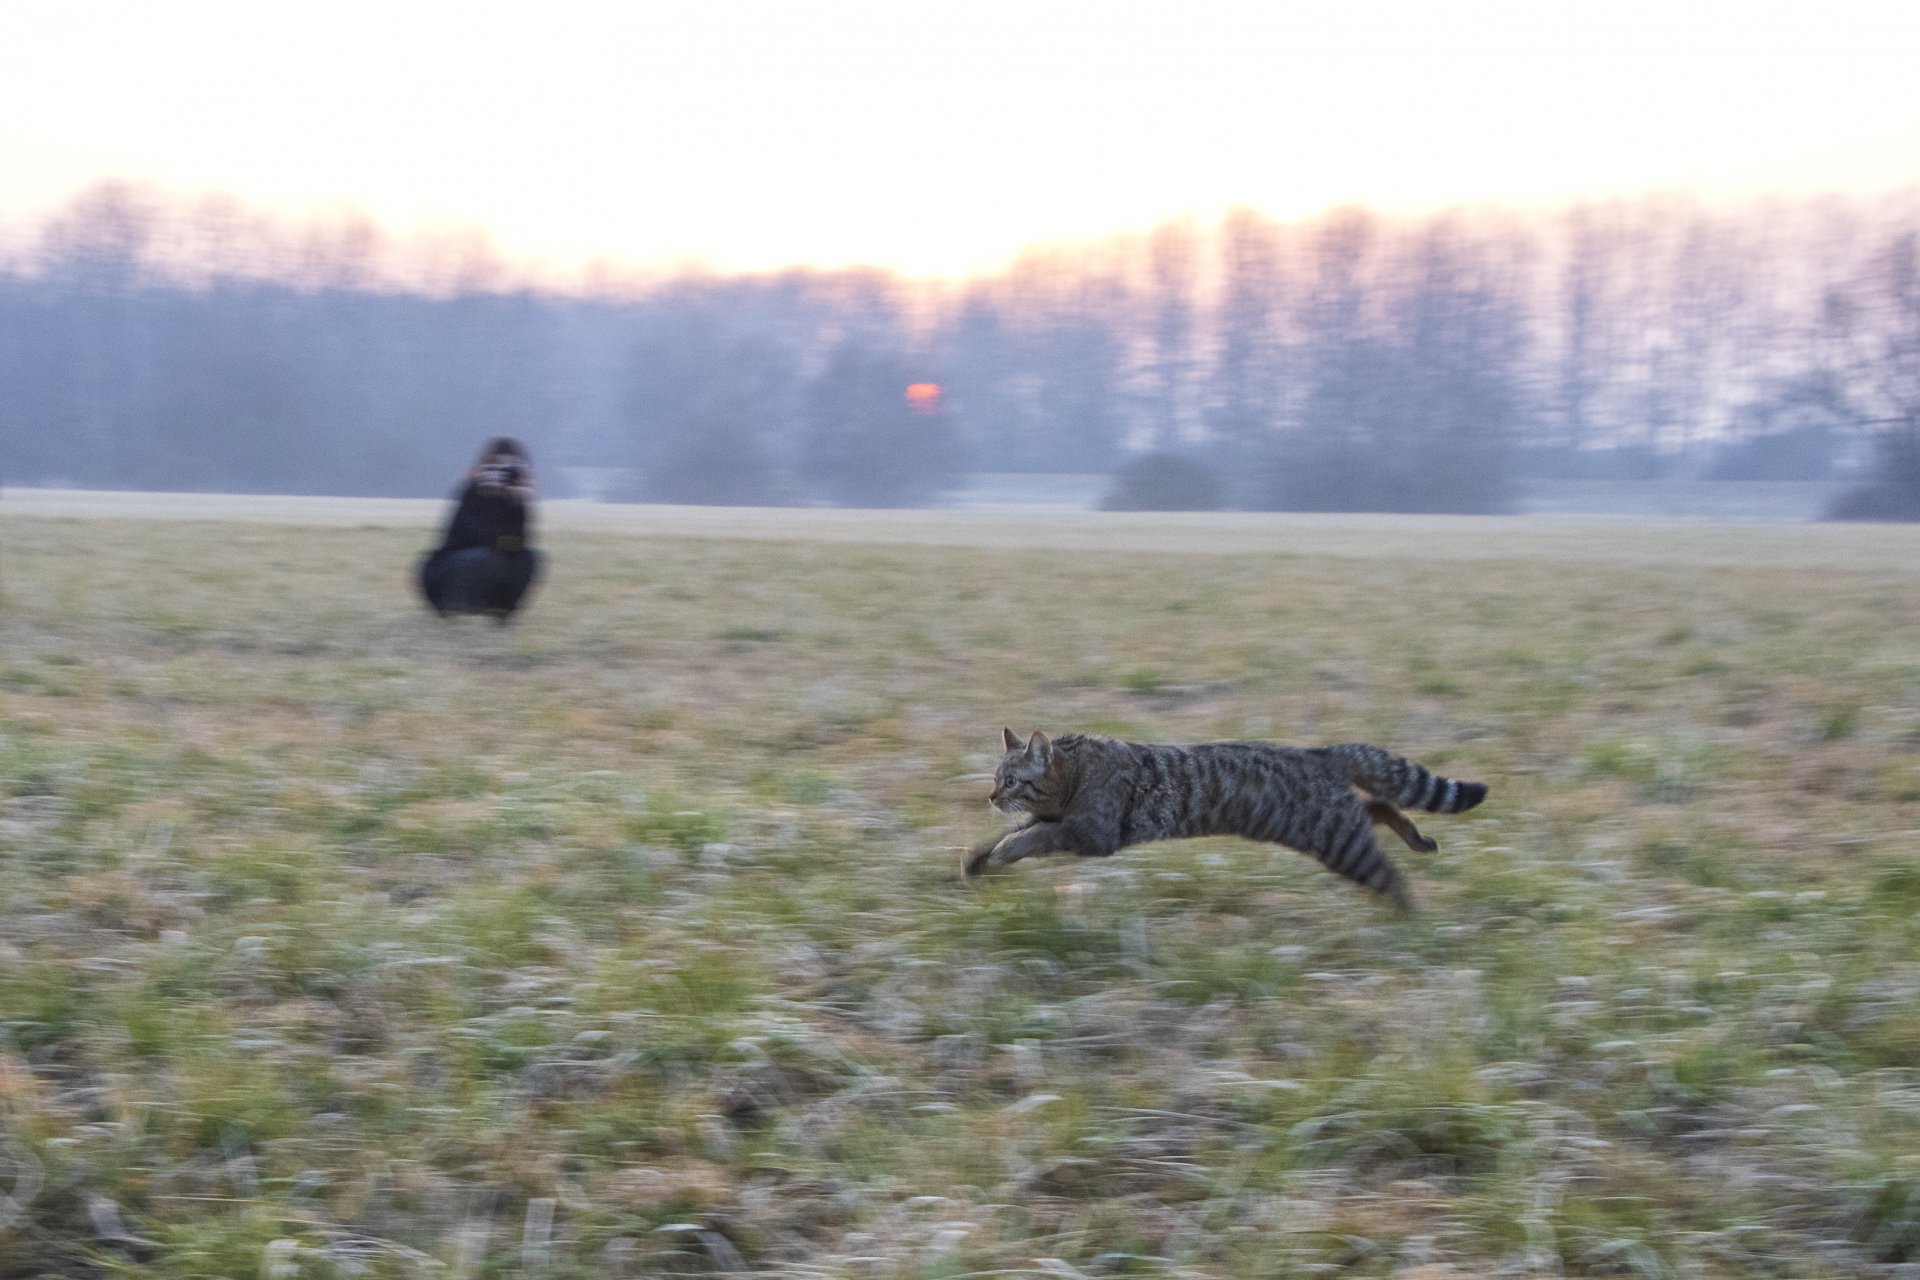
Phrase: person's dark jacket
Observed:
(485, 517)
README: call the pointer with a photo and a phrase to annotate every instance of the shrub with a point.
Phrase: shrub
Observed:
(718, 467)
(1165, 482)
(1880, 501)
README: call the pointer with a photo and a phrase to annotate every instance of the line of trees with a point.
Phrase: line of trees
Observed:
(1350, 361)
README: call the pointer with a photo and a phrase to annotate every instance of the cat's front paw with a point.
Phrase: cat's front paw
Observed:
(981, 859)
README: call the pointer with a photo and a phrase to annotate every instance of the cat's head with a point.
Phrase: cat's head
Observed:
(1025, 781)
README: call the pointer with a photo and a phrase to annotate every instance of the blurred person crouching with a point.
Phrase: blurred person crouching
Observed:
(484, 564)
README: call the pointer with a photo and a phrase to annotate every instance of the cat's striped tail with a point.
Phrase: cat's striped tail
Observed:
(1402, 782)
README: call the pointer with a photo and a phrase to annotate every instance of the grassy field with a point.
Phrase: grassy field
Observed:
(336, 940)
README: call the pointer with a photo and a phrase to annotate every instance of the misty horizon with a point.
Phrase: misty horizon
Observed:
(1351, 361)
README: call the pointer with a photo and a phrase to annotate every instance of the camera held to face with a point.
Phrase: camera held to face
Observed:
(501, 475)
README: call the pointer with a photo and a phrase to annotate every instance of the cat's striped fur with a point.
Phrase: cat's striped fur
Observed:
(1095, 796)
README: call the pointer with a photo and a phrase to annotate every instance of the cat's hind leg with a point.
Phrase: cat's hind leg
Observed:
(1346, 847)
(1384, 814)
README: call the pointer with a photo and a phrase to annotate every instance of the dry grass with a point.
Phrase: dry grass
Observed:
(338, 941)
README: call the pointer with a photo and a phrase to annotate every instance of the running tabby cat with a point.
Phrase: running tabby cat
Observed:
(1094, 796)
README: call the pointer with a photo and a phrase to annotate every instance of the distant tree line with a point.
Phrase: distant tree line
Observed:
(1347, 362)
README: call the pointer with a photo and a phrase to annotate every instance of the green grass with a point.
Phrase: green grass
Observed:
(336, 940)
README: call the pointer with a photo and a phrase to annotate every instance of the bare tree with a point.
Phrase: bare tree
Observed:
(1583, 325)
(1248, 386)
(1168, 377)
(1874, 322)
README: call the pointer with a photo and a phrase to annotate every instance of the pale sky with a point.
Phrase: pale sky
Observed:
(939, 138)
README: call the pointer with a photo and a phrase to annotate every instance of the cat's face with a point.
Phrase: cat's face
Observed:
(1024, 781)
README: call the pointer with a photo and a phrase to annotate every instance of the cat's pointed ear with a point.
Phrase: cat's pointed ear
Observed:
(1011, 738)
(1039, 747)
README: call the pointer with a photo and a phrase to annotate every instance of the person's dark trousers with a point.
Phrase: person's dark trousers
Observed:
(479, 580)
